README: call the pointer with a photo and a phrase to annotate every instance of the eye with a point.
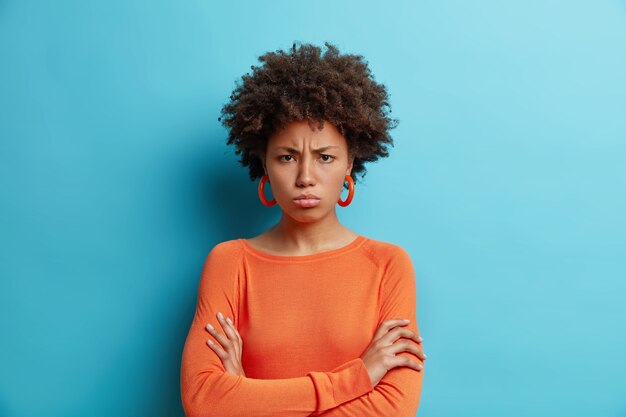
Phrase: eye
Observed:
(284, 156)
(329, 156)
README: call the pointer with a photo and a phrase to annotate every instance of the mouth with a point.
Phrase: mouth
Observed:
(306, 202)
(307, 197)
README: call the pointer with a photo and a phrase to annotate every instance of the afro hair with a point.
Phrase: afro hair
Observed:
(305, 84)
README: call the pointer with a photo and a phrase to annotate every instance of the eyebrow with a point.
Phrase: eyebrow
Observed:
(293, 150)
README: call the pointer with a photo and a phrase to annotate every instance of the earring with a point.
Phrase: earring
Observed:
(350, 192)
(262, 192)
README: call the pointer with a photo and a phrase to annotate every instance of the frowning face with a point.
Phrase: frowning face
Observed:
(304, 161)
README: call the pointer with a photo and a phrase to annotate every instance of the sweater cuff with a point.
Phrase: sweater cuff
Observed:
(344, 383)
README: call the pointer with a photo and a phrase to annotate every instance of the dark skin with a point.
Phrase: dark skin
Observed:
(300, 160)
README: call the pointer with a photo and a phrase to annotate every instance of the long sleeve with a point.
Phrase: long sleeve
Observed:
(207, 390)
(398, 392)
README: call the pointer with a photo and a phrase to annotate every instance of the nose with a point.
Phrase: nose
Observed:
(305, 172)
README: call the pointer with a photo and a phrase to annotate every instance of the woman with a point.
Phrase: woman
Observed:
(306, 318)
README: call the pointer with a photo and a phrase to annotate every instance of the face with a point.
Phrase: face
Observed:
(300, 160)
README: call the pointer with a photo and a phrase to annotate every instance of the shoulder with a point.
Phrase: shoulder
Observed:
(221, 266)
(394, 261)
(224, 256)
(226, 250)
(387, 253)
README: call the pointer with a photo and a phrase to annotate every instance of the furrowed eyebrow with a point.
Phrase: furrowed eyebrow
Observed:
(293, 150)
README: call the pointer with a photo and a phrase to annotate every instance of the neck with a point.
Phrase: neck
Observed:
(311, 236)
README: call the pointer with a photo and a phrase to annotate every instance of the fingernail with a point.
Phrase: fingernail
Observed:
(219, 314)
(229, 320)
(406, 320)
(210, 327)
(209, 342)
(419, 338)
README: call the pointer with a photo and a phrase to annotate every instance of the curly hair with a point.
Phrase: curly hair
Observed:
(308, 85)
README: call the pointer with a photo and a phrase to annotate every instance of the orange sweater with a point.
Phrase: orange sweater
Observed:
(304, 321)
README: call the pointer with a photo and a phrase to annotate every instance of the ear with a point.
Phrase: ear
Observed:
(349, 170)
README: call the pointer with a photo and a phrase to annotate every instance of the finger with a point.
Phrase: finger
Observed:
(396, 333)
(410, 346)
(407, 346)
(221, 353)
(387, 325)
(404, 361)
(232, 325)
(224, 341)
(227, 329)
(410, 334)
(414, 336)
(238, 341)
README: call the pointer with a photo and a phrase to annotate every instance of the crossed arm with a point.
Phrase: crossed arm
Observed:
(398, 392)
(208, 390)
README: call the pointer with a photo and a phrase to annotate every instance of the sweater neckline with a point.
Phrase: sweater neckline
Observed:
(358, 241)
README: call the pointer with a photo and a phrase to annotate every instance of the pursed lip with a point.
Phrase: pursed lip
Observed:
(306, 197)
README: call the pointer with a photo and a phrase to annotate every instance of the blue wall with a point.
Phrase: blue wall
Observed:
(506, 186)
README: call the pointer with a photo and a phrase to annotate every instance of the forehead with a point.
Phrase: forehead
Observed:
(298, 133)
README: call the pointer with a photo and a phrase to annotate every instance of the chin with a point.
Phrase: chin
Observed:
(306, 218)
(307, 215)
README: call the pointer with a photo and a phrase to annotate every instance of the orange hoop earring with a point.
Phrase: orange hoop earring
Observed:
(350, 192)
(262, 192)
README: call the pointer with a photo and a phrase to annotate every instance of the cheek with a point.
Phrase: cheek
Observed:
(280, 185)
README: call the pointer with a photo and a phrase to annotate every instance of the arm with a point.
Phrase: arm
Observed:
(207, 390)
(398, 393)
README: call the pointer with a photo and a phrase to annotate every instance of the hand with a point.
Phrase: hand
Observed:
(231, 345)
(379, 357)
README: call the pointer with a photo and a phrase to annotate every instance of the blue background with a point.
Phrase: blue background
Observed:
(506, 186)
